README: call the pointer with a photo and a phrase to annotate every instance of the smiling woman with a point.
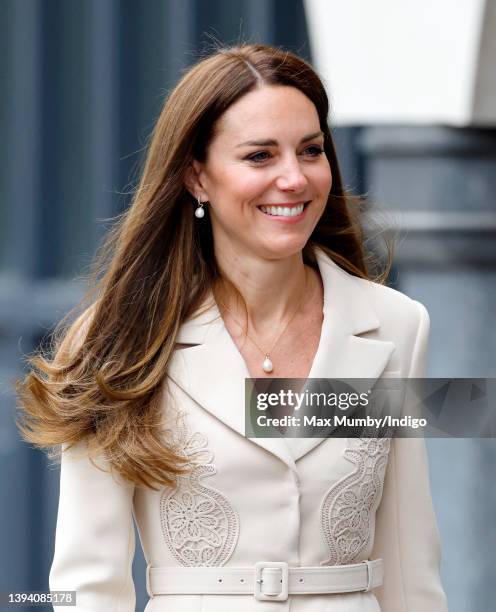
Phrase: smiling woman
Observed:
(240, 256)
(285, 176)
(267, 180)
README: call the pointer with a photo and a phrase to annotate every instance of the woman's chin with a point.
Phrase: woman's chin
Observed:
(282, 248)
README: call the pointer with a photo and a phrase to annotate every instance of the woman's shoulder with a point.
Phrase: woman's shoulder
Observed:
(391, 303)
(403, 321)
(388, 304)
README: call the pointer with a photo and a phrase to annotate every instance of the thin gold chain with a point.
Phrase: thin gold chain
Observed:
(267, 353)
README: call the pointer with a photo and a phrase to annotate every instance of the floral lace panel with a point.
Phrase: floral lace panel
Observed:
(199, 524)
(348, 510)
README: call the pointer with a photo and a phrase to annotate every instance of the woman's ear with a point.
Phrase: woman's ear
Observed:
(193, 181)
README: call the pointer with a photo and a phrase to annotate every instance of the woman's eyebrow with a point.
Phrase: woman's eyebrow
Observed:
(273, 143)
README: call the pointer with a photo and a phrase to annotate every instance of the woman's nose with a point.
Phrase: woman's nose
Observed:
(291, 177)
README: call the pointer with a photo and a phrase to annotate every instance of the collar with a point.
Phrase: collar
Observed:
(213, 371)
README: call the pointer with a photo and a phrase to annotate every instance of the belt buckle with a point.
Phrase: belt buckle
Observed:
(283, 594)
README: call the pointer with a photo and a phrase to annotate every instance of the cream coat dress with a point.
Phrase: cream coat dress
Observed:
(308, 502)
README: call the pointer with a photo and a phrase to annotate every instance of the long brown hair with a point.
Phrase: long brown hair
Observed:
(104, 384)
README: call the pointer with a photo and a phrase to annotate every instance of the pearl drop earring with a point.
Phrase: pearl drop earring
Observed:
(199, 212)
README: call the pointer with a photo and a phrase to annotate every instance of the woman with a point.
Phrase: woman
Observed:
(238, 257)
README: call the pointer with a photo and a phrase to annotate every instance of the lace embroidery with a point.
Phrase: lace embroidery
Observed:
(347, 511)
(199, 524)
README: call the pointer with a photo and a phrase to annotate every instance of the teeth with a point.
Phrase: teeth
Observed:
(283, 211)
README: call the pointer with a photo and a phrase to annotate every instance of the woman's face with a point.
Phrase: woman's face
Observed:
(266, 175)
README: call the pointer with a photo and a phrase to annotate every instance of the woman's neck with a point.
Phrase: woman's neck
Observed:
(271, 289)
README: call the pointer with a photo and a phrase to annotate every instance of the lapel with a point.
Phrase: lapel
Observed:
(213, 372)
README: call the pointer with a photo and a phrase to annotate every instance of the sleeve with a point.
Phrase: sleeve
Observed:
(406, 535)
(94, 542)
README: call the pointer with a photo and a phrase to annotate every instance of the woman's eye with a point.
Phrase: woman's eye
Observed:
(314, 150)
(259, 157)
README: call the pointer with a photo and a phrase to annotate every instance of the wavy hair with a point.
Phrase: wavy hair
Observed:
(102, 381)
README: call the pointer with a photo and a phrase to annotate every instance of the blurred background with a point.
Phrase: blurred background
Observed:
(413, 93)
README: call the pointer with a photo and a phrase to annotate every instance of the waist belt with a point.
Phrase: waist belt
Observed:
(266, 580)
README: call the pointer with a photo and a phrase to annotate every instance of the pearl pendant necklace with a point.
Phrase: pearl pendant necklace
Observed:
(267, 365)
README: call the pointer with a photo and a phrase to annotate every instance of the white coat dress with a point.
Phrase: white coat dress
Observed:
(308, 502)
